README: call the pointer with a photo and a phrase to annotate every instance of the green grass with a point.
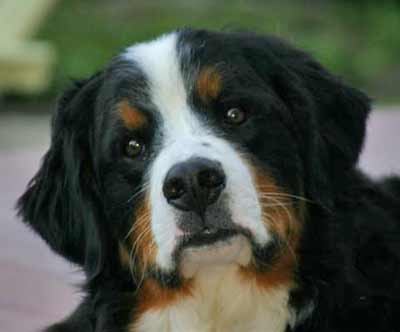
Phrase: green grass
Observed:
(359, 42)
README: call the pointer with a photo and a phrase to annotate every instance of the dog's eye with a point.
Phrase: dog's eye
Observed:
(134, 148)
(235, 116)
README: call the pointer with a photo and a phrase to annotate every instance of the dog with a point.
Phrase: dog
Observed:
(208, 181)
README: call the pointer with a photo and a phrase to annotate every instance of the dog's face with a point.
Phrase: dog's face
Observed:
(197, 133)
(193, 150)
(197, 146)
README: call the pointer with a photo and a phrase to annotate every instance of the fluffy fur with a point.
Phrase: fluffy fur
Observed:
(298, 240)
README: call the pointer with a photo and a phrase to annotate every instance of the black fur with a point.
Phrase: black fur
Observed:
(314, 126)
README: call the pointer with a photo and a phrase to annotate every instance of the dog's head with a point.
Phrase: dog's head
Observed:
(192, 150)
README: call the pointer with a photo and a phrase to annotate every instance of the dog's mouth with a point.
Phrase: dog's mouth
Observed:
(212, 248)
(211, 242)
(207, 237)
(214, 228)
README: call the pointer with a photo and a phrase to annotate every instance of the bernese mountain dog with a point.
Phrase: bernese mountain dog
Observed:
(208, 182)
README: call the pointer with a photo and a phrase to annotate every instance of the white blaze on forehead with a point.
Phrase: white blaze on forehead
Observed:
(184, 136)
(159, 61)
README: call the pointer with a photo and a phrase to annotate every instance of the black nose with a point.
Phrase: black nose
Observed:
(194, 184)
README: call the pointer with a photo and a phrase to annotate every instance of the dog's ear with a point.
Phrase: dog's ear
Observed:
(60, 202)
(329, 116)
(331, 120)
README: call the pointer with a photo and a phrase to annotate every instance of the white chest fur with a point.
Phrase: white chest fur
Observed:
(221, 302)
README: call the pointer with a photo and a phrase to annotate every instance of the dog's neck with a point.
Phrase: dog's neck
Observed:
(218, 299)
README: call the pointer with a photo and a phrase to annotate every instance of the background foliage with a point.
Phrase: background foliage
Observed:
(357, 39)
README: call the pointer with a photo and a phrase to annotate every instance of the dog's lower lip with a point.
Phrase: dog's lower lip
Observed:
(207, 237)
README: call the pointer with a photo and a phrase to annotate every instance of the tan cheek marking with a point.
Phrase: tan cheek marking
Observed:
(278, 208)
(131, 116)
(152, 296)
(142, 241)
(208, 84)
(280, 274)
(281, 219)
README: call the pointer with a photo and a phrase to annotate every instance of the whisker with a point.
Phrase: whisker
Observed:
(133, 251)
(138, 222)
(136, 244)
(289, 229)
(284, 208)
(265, 193)
(143, 188)
(277, 205)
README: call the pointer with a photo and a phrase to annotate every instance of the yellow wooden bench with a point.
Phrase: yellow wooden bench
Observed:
(25, 65)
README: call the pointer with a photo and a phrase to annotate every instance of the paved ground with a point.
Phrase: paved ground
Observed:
(36, 287)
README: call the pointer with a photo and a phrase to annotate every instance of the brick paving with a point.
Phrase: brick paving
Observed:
(36, 286)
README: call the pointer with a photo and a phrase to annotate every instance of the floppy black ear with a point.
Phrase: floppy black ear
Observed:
(60, 201)
(329, 116)
(335, 129)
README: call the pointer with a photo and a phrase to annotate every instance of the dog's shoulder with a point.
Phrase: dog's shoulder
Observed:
(368, 232)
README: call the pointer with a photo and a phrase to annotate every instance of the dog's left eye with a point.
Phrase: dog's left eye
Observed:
(235, 116)
(133, 148)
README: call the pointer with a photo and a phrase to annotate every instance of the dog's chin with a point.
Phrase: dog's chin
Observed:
(214, 252)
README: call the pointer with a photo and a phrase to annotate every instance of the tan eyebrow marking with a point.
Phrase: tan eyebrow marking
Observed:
(131, 116)
(208, 84)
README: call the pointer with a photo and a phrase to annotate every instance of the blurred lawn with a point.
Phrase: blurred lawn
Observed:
(359, 41)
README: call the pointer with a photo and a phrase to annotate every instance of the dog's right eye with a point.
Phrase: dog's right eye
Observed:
(235, 116)
(133, 148)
